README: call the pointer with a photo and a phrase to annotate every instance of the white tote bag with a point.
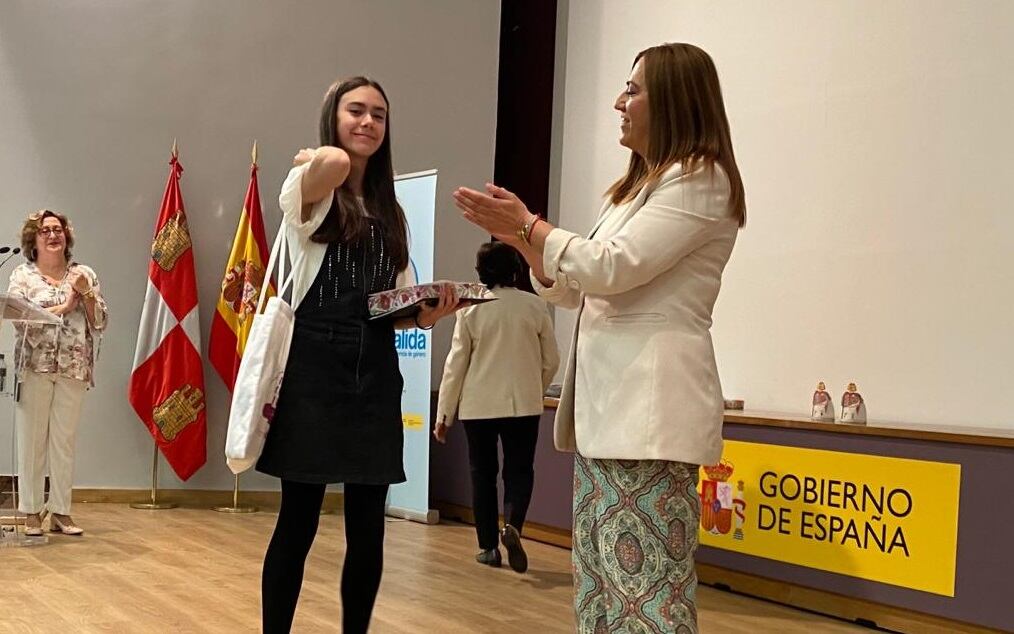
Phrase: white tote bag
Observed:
(261, 369)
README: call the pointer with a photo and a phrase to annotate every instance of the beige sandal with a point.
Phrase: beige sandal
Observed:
(33, 531)
(67, 528)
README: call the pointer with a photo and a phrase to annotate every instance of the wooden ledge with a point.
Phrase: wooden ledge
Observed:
(957, 434)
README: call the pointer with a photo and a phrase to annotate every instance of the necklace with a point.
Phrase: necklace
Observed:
(52, 280)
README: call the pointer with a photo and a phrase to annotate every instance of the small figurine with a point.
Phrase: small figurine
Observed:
(733, 403)
(853, 408)
(823, 406)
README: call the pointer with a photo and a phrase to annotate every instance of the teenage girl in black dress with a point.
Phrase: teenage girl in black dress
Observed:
(338, 417)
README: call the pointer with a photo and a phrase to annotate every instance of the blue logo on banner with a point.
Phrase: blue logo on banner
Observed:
(411, 343)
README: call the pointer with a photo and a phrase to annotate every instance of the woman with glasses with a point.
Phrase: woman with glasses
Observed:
(57, 363)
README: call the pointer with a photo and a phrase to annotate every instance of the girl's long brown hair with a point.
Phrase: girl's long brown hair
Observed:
(345, 221)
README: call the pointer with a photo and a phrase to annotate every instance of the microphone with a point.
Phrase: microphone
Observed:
(13, 252)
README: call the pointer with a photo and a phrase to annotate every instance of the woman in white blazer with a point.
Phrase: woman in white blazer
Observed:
(641, 403)
(503, 356)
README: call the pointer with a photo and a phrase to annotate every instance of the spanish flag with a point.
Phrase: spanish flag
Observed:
(241, 286)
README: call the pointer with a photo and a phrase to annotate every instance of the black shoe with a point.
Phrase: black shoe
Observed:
(489, 557)
(516, 557)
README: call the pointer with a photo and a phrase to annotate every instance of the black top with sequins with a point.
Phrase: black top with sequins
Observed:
(348, 273)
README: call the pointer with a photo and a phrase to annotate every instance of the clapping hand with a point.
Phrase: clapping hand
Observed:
(79, 282)
(498, 211)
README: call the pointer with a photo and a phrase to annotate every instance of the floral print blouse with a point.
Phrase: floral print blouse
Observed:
(68, 349)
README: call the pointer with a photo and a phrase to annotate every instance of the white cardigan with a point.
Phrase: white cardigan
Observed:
(503, 356)
(641, 381)
(298, 235)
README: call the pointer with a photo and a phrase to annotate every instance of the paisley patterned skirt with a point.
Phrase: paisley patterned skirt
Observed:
(635, 533)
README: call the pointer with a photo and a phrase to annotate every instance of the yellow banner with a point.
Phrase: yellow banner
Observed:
(891, 520)
(412, 421)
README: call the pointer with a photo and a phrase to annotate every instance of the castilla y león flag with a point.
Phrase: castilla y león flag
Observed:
(241, 288)
(167, 383)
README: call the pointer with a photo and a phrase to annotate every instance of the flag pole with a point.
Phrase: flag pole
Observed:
(235, 508)
(154, 505)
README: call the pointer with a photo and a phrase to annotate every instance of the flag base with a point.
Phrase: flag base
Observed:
(235, 509)
(153, 506)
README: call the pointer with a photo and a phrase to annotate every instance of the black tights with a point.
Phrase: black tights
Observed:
(297, 525)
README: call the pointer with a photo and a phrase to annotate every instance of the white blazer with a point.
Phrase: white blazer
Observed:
(641, 381)
(503, 356)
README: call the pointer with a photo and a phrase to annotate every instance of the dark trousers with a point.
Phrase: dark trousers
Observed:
(297, 525)
(518, 437)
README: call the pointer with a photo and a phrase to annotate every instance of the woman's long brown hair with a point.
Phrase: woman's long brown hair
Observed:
(687, 123)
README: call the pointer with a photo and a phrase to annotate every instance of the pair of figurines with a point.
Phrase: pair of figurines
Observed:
(853, 408)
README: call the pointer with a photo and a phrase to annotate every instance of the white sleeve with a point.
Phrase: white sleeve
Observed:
(291, 203)
(559, 294)
(406, 277)
(455, 369)
(677, 218)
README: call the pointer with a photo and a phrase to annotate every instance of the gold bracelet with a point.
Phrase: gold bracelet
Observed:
(523, 232)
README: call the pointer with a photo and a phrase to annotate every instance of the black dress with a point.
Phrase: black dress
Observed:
(338, 417)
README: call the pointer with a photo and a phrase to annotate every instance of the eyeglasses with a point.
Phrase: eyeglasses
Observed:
(48, 231)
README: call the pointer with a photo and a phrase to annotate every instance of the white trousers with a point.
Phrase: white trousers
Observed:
(47, 418)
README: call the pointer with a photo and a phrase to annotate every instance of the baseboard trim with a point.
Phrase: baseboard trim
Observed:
(832, 604)
(196, 498)
(431, 516)
(533, 530)
(184, 498)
